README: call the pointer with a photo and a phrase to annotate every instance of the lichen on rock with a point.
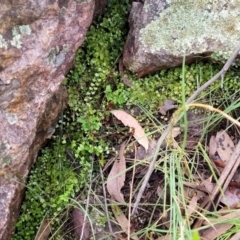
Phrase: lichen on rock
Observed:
(56, 56)
(163, 32)
(179, 25)
(3, 42)
(17, 31)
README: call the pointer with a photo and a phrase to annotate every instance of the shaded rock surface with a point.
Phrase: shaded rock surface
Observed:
(163, 31)
(38, 41)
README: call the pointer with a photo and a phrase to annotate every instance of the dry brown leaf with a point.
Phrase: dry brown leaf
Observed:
(117, 176)
(131, 122)
(166, 237)
(212, 149)
(220, 228)
(225, 146)
(216, 231)
(44, 230)
(167, 105)
(192, 205)
(236, 236)
(231, 195)
(175, 132)
(122, 220)
(81, 228)
(142, 154)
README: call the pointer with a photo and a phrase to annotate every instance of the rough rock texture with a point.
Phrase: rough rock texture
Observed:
(163, 31)
(38, 41)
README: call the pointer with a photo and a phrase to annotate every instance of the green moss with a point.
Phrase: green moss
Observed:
(95, 68)
(179, 25)
(52, 182)
(166, 84)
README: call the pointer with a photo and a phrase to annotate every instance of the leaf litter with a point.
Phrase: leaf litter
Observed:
(116, 177)
(131, 122)
(167, 105)
(221, 148)
(205, 193)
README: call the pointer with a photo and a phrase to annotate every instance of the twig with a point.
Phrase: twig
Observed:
(196, 186)
(229, 171)
(169, 126)
(87, 206)
(105, 201)
(233, 214)
(131, 190)
(224, 179)
(151, 167)
(210, 108)
(219, 74)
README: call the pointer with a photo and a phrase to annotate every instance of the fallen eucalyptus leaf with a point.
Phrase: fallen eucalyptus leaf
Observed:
(117, 176)
(167, 105)
(131, 122)
(230, 197)
(216, 231)
(225, 146)
(122, 220)
(212, 148)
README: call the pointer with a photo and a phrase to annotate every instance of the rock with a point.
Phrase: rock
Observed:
(162, 32)
(38, 41)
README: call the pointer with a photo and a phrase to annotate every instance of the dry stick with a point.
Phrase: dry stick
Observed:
(105, 201)
(225, 177)
(229, 171)
(219, 74)
(87, 208)
(151, 167)
(131, 191)
(223, 182)
(169, 126)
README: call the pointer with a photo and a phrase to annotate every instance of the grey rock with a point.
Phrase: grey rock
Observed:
(162, 32)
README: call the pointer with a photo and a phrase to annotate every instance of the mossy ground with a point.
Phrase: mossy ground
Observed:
(85, 133)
